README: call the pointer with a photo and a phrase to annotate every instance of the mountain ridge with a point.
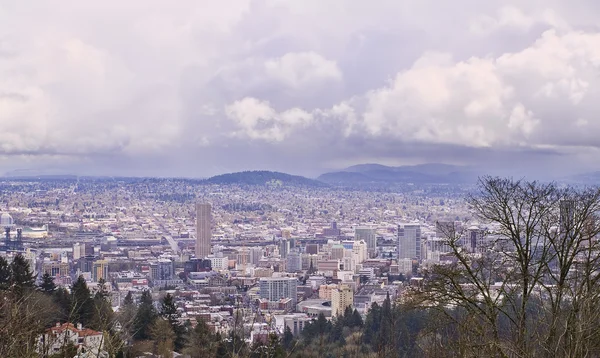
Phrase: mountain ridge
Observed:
(263, 177)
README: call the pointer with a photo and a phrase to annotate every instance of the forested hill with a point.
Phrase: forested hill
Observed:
(263, 177)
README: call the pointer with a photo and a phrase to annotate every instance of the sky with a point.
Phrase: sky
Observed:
(196, 88)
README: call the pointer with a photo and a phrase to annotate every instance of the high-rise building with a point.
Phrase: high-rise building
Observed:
(341, 298)
(284, 248)
(359, 251)
(409, 241)
(162, 270)
(203, 230)
(100, 270)
(367, 235)
(294, 261)
(275, 288)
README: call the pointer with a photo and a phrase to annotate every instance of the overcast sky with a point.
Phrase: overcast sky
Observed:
(196, 88)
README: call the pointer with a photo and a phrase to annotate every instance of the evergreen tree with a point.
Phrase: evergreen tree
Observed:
(288, 339)
(102, 316)
(102, 291)
(372, 324)
(357, 320)
(145, 317)
(21, 276)
(170, 313)
(201, 342)
(128, 300)
(47, 286)
(385, 339)
(163, 337)
(62, 298)
(5, 274)
(82, 305)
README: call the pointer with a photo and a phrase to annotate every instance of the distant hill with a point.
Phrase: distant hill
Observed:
(592, 178)
(424, 173)
(263, 177)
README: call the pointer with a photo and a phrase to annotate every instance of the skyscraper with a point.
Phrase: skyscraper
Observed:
(409, 241)
(203, 230)
(367, 235)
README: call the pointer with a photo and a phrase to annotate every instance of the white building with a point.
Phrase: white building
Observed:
(275, 288)
(409, 241)
(86, 340)
(218, 261)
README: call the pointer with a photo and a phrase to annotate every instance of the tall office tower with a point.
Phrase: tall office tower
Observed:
(367, 235)
(203, 231)
(284, 248)
(294, 261)
(275, 288)
(100, 270)
(409, 241)
(341, 298)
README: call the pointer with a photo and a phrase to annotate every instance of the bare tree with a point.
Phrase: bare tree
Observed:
(530, 286)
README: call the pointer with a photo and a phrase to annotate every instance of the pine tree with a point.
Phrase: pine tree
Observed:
(356, 319)
(102, 291)
(62, 298)
(288, 339)
(21, 276)
(163, 336)
(128, 300)
(82, 305)
(5, 274)
(145, 317)
(102, 316)
(47, 286)
(201, 342)
(170, 313)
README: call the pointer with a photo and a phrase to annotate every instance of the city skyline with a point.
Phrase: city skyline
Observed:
(245, 86)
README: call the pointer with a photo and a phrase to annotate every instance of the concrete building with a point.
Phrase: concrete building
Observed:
(409, 241)
(341, 298)
(367, 235)
(284, 248)
(219, 261)
(294, 261)
(203, 229)
(325, 291)
(162, 270)
(100, 270)
(359, 251)
(276, 288)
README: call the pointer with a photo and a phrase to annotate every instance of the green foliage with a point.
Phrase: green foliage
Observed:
(62, 299)
(5, 274)
(82, 305)
(47, 286)
(169, 312)
(145, 317)
(21, 277)
(200, 342)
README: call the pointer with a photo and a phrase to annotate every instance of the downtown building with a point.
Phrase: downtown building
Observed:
(203, 230)
(409, 241)
(275, 288)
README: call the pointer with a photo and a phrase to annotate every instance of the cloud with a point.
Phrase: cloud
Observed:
(113, 88)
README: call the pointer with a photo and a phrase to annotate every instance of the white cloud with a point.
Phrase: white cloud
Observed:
(150, 78)
(302, 70)
(258, 120)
